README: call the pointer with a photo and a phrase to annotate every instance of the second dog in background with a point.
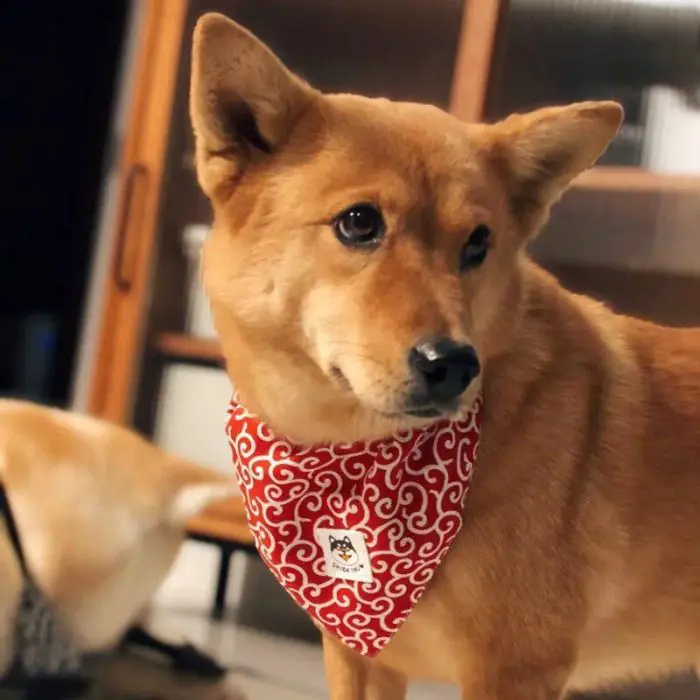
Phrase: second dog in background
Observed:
(94, 517)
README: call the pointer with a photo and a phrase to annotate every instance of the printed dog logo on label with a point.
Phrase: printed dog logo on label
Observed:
(345, 553)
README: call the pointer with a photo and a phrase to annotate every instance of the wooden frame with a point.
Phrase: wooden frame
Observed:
(473, 65)
(143, 159)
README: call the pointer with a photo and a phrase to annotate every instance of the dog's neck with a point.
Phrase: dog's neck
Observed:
(551, 328)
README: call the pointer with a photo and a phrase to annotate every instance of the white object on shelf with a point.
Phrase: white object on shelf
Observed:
(672, 142)
(192, 414)
(198, 320)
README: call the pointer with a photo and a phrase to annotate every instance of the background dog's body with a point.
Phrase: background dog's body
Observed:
(101, 515)
(578, 563)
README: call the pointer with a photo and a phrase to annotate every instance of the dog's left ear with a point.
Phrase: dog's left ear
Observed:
(243, 101)
(541, 152)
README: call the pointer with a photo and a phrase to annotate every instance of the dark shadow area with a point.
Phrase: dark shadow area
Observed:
(59, 68)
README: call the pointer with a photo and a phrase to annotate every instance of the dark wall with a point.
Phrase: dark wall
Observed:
(58, 69)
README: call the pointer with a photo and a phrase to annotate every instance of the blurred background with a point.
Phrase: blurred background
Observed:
(101, 307)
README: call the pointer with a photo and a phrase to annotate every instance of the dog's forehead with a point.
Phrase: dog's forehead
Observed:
(396, 150)
(402, 132)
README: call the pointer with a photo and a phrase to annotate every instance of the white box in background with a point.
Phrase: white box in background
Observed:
(191, 422)
(672, 140)
(192, 414)
(198, 314)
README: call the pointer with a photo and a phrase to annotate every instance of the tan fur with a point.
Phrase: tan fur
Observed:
(578, 563)
(101, 514)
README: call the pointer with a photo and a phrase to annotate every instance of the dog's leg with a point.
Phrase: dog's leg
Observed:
(351, 677)
(383, 684)
(523, 681)
(524, 691)
(346, 672)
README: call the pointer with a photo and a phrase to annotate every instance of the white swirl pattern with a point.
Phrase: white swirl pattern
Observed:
(405, 494)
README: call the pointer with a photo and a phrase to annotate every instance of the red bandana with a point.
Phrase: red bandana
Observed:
(355, 532)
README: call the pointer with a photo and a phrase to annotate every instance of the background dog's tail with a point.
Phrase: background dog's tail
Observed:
(194, 488)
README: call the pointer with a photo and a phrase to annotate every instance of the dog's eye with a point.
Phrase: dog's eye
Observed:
(476, 248)
(362, 225)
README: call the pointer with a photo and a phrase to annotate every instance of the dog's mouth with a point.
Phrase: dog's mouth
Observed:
(431, 409)
(413, 407)
(427, 412)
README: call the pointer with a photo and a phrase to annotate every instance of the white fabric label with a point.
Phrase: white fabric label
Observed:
(345, 553)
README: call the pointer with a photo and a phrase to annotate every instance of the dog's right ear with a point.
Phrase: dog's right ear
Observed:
(243, 100)
(540, 153)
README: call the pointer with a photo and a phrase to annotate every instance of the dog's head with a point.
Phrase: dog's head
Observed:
(365, 259)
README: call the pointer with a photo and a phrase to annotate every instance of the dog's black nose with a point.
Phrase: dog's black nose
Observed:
(443, 369)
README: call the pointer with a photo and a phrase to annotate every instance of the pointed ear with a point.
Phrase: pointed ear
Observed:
(540, 153)
(347, 541)
(243, 101)
(332, 539)
(192, 489)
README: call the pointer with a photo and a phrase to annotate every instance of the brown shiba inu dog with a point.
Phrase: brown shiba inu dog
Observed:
(99, 515)
(367, 272)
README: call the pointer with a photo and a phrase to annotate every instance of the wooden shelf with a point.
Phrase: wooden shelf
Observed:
(187, 347)
(624, 179)
(224, 521)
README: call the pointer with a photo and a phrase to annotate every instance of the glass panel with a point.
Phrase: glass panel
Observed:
(403, 49)
(644, 53)
(627, 234)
